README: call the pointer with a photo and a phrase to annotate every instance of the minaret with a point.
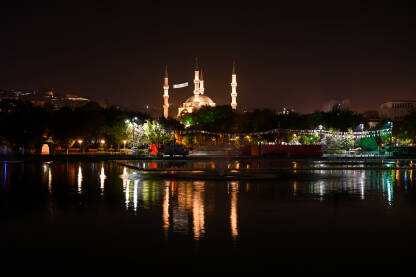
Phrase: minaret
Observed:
(234, 89)
(201, 83)
(166, 94)
(196, 83)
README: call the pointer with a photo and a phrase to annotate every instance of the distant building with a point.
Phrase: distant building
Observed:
(373, 118)
(396, 110)
(43, 99)
(199, 98)
(336, 105)
(286, 111)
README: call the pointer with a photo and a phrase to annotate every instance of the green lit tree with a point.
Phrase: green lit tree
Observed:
(155, 133)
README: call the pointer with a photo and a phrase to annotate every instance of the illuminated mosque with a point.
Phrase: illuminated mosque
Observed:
(198, 99)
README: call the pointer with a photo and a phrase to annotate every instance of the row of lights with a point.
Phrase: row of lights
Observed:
(102, 142)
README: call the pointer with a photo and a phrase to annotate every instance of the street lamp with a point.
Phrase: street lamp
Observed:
(80, 145)
(102, 144)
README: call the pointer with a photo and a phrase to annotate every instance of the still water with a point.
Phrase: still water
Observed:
(103, 215)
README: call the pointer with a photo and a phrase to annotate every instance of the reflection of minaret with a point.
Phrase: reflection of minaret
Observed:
(196, 82)
(234, 89)
(233, 212)
(198, 209)
(166, 95)
(166, 208)
(201, 83)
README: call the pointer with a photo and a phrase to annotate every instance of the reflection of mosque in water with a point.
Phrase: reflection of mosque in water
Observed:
(185, 204)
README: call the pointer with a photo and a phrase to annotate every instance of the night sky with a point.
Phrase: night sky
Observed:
(297, 55)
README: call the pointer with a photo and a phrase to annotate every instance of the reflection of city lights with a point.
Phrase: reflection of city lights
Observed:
(5, 173)
(198, 210)
(79, 189)
(295, 187)
(398, 177)
(387, 186)
(165, 205)
(146, 194)
(389, 193)
(135, 194)
(50, 180)
(124, 178)
(233, 212)
(102, 178)
(127, 191)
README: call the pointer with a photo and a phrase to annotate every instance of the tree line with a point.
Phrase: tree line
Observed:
(24, 125)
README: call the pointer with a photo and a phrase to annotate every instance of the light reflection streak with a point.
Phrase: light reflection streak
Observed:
(295, 187)
(198, 208)
(389, 193)
(127, 191)
(387, 186)
(361, 183)
(165, 205)
(49, 180)
(79, 189)
(135, 194)
(234, 212)
(5, 173)
(124, 178)
(398, 177)
(102, 179)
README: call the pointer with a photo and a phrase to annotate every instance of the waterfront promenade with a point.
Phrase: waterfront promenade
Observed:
(118, 156)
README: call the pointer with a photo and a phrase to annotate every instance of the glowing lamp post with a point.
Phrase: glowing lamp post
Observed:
(102, 144)
(133, 126)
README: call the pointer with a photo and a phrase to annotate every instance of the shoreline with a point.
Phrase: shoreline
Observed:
(109, 157)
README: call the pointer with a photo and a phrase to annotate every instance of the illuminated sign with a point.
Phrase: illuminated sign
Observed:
(180, 85)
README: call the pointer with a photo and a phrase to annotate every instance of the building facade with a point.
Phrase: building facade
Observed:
(396, 110)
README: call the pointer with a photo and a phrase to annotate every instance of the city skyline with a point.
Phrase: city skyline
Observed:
(290, 56)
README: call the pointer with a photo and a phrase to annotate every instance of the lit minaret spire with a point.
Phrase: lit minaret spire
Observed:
(201, 83)
(234, 89)
(166, 94)
(196, 82)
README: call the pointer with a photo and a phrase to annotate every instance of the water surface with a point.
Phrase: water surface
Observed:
(101, 215)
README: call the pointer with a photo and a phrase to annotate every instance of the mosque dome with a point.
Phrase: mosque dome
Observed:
(202, 99)
(195, 102)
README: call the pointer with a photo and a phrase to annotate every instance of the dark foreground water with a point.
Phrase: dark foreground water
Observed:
(102, 216)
